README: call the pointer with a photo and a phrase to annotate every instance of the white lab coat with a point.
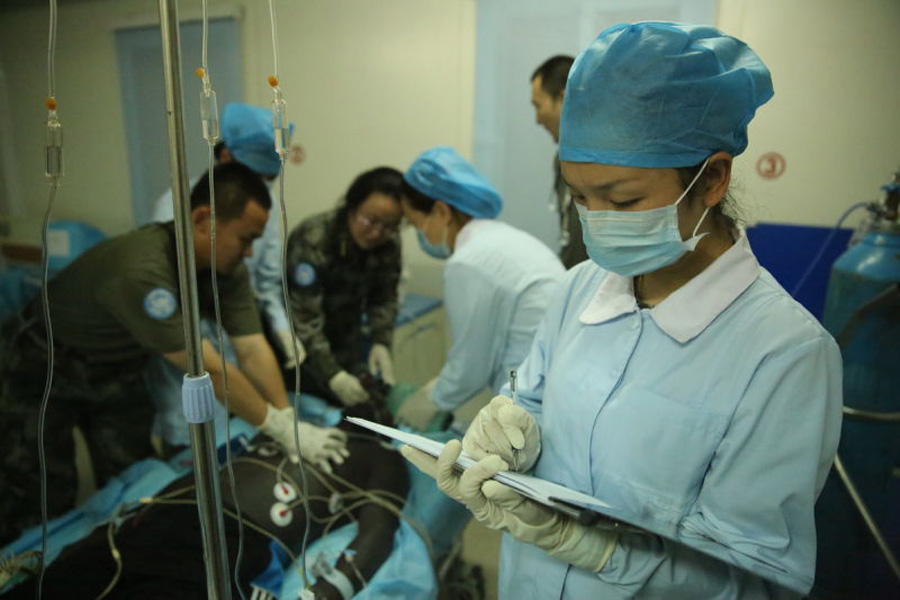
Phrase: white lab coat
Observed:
(497, 284)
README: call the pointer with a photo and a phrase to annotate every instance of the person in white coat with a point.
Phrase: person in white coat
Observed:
(497, 279)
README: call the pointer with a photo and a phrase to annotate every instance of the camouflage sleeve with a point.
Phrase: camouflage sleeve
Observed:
(305, 260)
(382, 301)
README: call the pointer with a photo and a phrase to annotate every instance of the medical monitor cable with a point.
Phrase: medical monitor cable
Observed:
(344, 510)
(54, 172)
(281, 130)
(209, 116)
(812, 265)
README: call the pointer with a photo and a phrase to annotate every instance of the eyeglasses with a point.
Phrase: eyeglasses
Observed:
(375, 224)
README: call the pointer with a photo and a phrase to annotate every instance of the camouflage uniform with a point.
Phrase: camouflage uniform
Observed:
(571, 243)
(112, 308)
(332, 285)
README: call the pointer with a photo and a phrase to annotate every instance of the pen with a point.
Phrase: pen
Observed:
(515, 397)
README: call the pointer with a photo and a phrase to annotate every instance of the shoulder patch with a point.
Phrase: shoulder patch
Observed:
(304, 275)
(160, 303)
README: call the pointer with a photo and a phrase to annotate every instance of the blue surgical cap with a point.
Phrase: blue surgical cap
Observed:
(248, 135)
(442, 174)
(661, 95)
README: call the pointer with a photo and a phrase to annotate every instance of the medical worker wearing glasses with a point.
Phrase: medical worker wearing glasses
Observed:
(343, 267)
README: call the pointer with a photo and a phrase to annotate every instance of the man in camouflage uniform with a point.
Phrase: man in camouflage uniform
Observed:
(111, 309)
(337, 288)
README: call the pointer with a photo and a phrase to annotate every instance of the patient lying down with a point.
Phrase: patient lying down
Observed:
(160, 541)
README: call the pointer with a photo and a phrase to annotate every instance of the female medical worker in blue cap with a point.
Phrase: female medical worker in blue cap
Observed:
(672, 377)
(497, 279)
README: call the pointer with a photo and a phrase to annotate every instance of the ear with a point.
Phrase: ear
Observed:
(201, 217)
(225, 155)
(443, 211)
(716, 179)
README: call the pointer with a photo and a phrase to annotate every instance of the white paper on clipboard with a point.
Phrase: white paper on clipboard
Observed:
(540, 490)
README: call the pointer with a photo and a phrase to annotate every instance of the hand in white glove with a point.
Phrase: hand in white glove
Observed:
(380, 363)
(507, 430)
(500, 507)
(318, 445)
(292, 357)
(348, 389)
(419, 409)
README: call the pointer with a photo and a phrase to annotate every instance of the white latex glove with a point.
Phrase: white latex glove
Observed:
(507, 430)
(500, 507)
(419, 409)
(380, 363)
(292, 358)
(318, 445)
(348, 389)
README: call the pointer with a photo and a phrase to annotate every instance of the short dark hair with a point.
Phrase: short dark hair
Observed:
(235, 186)
(382, 180)
(425, 203)
(554, 72)
(417, 199)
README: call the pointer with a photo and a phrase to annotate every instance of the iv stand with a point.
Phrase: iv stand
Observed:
(203, 447)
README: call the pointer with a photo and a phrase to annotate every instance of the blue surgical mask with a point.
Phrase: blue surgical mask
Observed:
(635, 243)
(440, 251)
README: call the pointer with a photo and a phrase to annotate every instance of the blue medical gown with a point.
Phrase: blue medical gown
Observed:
(712, 419)
(497, 285)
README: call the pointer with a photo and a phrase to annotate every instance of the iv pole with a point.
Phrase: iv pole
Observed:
(209, 499)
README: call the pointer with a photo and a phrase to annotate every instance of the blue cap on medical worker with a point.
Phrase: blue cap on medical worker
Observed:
(660, 94)
(442, 174)
(248, 135)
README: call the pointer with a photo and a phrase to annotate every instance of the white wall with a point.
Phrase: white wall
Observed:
(367, 83)
(513, 38)
(835, 116)
(376, 82)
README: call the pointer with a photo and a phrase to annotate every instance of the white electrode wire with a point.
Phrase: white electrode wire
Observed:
(205, 42)
(296, 399)
(287, 306)
(48, 327)
(274, 36)
(45, 400)
(221, 341)
(802, 281)
(218, 312)
(51, 52)
(114, 551)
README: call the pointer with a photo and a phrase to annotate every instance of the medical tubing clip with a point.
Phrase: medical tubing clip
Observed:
(198, 399)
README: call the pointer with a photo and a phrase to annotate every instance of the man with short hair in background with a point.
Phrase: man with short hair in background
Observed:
(548, 89)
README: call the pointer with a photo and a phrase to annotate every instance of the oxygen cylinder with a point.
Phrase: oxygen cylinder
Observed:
(862, 312)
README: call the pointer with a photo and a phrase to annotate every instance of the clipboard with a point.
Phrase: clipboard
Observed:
(589, 510)
(586, 509)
